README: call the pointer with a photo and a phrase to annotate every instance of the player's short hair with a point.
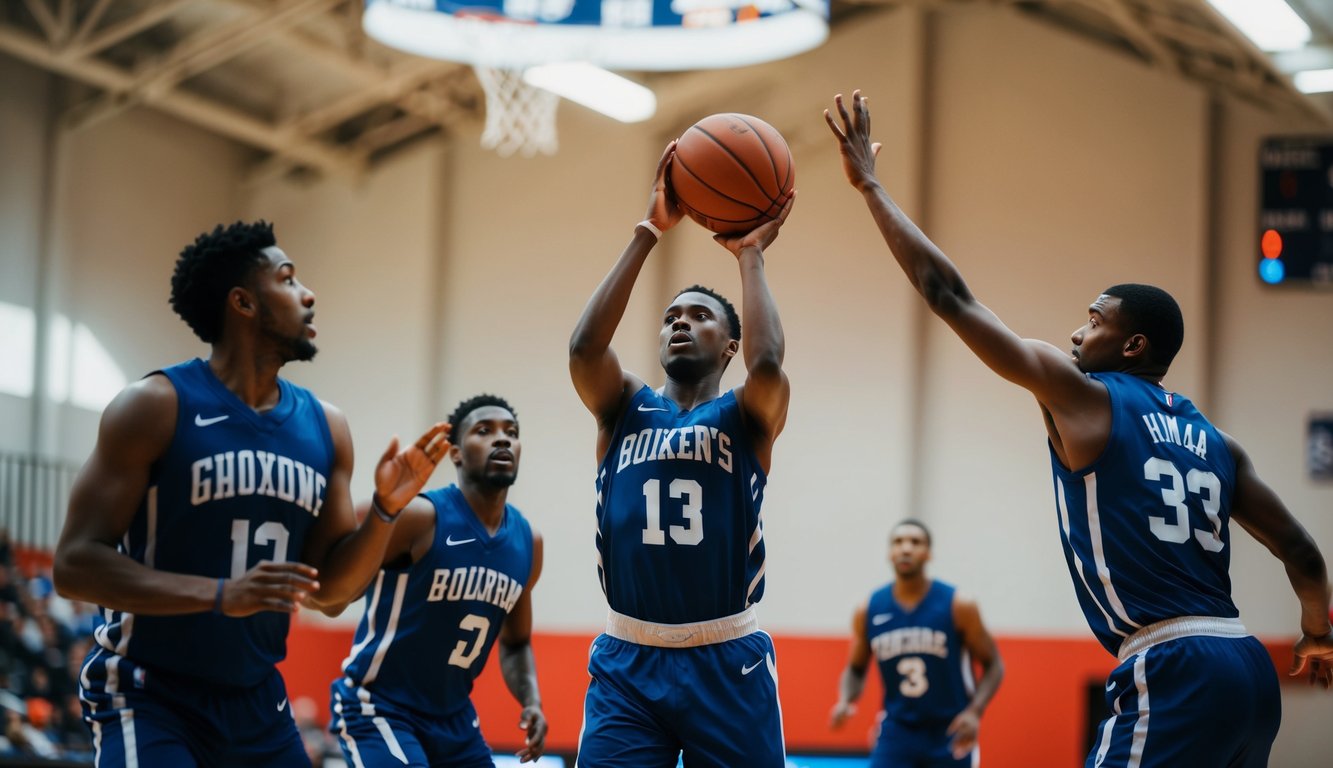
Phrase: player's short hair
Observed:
(733, 319)
(1151, 311)
(471, 404)
(911, 521)
(209, 268)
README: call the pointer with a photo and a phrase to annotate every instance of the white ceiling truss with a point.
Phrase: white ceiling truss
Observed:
(300, 83)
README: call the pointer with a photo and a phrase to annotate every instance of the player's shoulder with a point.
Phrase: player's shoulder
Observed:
(152, 397)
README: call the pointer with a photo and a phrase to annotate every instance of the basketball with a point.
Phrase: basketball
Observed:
(731, 173)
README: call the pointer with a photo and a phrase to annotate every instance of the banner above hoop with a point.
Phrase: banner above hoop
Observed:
(637, 35)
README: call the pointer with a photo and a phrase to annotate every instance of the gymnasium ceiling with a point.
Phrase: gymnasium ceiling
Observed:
(300, 84)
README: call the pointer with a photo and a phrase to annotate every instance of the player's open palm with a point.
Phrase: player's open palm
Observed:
(269, 586)
(761, 236)
(842, 711)
(401, 475)
(534, 722)
(1314, 655)
(858, 152)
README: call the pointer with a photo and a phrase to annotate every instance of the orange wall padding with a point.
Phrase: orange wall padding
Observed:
(1038, 719)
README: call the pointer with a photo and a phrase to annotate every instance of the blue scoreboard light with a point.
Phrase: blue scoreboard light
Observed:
(1295, 242)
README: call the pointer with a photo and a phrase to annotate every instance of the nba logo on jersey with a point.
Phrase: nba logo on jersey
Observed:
(1170, 399)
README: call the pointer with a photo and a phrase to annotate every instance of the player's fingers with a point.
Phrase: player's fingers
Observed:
(875, 148)
(828, 118)
(391, 451)
(297, 568)
(666, 158)
(1298, 665)
(842, 112)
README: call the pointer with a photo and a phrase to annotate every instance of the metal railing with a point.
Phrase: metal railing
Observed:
(34, 493)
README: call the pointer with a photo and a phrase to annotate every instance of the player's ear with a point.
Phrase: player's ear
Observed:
(1136, 345)
(242, 301)
(733, 346)
(455, 455)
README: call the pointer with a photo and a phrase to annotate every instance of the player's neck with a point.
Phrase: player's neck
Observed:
(253, 378)
(911, 590)
(488, 504)
(688, 394)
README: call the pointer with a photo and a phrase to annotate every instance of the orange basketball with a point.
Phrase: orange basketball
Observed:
(731, 173)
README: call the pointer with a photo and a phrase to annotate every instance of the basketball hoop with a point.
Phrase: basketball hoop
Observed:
(519, 117)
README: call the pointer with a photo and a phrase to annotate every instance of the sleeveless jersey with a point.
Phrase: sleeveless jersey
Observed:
(1144, 528)
(927, 673)
(679, 533)
(234, 487)
(429, 628)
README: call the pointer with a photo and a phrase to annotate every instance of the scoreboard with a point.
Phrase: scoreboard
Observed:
(1295, 238)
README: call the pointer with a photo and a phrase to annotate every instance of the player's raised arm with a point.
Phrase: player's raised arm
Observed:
(1039, 367)
(348, 554)
(136, 430)
(601, 383)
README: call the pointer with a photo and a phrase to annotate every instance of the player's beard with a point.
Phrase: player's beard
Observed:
(299, 347)
(501, 480)
(684, 368)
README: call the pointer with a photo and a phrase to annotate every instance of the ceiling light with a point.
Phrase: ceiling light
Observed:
(1271, 24)
(595, 88)
(1314, 81)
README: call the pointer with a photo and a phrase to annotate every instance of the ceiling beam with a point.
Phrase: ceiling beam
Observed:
(125, 28)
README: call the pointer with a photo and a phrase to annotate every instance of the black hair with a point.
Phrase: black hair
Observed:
(733, 319)
(911, 521)
(473, 403)
(1151, 311)
(209, 268)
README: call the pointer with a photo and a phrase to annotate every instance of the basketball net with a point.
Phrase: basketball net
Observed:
(519, 117)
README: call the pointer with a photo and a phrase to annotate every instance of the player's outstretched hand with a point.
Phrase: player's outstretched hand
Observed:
(840, 714)
(1315, 656)
(853, 135)
(761, 236)
(269, 586)
(534, 723)
(963, 731)
(401, 475)
(663, 210)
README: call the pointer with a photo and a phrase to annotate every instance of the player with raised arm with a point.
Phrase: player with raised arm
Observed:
(1145, 489)
(215, 503)
(682, 666)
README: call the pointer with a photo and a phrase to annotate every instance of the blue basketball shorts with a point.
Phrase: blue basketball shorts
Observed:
(153, 719)
(910, 745)
(1194, 700)
(714, 706)
(373, 732)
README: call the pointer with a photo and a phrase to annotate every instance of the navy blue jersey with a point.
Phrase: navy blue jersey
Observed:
(679, 534)
(429, 628)
(235, 487)
(927, 673)
(1144, 527)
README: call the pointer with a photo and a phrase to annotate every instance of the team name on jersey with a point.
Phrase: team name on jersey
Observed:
(1166, 429)
(475, 583)
(910, 640)
(695, 443)
(256, 473)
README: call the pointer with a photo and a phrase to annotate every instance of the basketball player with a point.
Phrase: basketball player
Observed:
(682, 665)
(1145, 487)
(924, 637)
(458, 573)
(215, 503)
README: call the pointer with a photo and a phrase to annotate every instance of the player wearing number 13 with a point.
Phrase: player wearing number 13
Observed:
(215, 503)
(682, 666)
(1145, 488)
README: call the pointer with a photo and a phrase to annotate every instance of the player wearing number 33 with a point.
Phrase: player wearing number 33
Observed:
(458, 575)
(215, 503)
(1145, 489)
(682, 666)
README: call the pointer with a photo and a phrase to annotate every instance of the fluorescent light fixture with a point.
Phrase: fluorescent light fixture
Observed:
(1314, 81)
(1271, 24)
(595, 88)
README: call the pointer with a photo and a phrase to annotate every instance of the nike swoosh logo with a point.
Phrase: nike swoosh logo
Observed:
(1110, 686)
(880, 618)
(450, 541)
(747, 670)
(282, 705)
(648, 410)
(200, 421)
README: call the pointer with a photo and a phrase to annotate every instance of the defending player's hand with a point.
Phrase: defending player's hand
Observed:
(761, 236)
(858, 152)
(401, 475)
(842, 711)
(963, 731)
(1315, 655)
(663, 210)
(269, 586)
(534, 722)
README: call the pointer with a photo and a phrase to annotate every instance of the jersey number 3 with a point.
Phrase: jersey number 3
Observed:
(1197, 482)
(693, 531)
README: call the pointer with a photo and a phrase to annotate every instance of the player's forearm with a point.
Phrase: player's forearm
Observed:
(592, 335)
(931, 272)
(987, 687)
(851, 685)
(1308, 575)
(95, 573)
(350, 564)
(765, 343)
(518, 666)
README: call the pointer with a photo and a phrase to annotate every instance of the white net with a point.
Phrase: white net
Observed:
(519, 117)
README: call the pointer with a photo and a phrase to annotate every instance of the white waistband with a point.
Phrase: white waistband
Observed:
(1181, 626)
(633, 630)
